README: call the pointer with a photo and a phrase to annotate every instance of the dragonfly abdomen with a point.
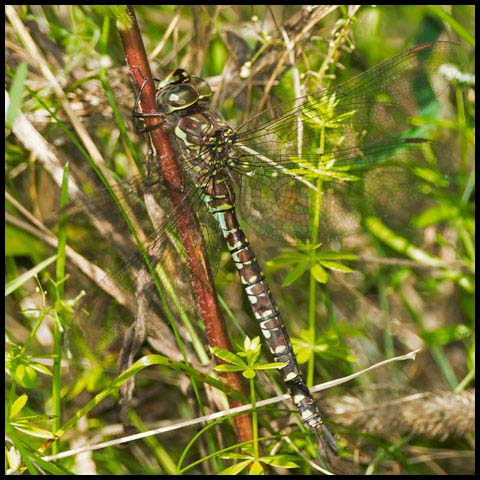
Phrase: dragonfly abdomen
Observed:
(220, 201)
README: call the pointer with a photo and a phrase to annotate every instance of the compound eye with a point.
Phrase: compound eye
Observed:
(201, 86)
(176, 97)
(180, 76)
(176, 77)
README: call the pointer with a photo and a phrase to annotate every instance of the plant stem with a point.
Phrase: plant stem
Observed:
(254, 419)
(187, 225)
(60, 312)
(315, 223)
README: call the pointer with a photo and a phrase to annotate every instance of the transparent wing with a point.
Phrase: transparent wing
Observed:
(99, 225)
(376, 101)
(351, 142)
(389, 181)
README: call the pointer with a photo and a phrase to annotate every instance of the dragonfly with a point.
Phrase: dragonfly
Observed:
(348, 148)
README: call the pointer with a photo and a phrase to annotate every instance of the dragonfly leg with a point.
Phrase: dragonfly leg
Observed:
(137, 114)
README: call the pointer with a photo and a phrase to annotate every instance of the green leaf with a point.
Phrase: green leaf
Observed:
(431, 176)
(40, 367)
(34, 431)
(308, 247)
(16, 94)
(319, 273)
(228, 357)
(26, 376)
(18, 282)
(321, 256)
(228, 368)
(295, 274)
(435, 215)
(336, 266)
(270, 366)
(303, 354)
(18, 404)
(256, 469)
(400, 244)
(281, 460)
(234, 456)
(236, 469)
(249, 373)
(287, 258)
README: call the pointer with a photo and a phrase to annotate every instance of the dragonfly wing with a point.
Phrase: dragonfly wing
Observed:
(374, 103)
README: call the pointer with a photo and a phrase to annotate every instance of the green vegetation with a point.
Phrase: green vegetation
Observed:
(348, 304)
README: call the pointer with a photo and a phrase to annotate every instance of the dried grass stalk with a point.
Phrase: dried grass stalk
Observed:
(433, 415)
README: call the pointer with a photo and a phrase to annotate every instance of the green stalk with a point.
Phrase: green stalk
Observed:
(462, 122)
(315, 223)
(254, 419)
(60, 312)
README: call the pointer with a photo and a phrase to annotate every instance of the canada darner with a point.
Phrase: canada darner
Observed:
(351, 136)
(347, 148)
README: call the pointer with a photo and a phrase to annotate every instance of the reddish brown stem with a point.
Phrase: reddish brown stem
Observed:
(187, 224)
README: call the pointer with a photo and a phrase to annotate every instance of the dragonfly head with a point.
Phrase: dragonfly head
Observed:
(180, 91)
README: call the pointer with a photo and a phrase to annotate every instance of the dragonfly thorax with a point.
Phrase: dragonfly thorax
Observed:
(203, 137)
